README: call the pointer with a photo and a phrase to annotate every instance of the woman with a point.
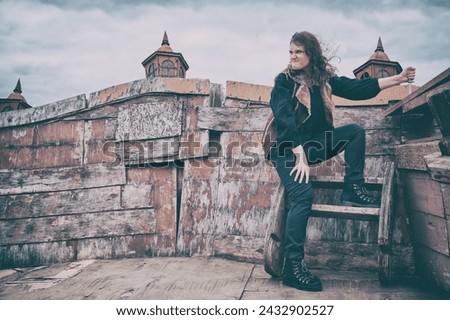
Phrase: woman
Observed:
(303, 126)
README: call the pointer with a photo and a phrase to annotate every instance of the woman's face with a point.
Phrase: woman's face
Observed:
(299, 60)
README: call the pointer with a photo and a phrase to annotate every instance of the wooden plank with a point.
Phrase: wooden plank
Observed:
(77, 226)
(248, 91)
(246, 196)
(94, 113)
(343, 212)
(386, 226)
(381, 142)
(446, 198)
(342, 230)
(411, 156)
(233, 119)
(162, 182)
(243, 207)
(135, 246)
(239, 248)
(341, 255)
(197, 205)
(37, 254)
(433, 266)
(274, 239)
(57, 203)
(423, 194)
(386, 210)
(60, 132)
(17, 137)
(422, 99)
(149, 279)
(419, 128)
(430, 231)
(149, 120)
(245, 146)
(46, 112)
(438, 167)
(145, 152)
(439, 102)
(130, 90)
(337, 182)
(194, 144)
(442, 77)
(58, 179)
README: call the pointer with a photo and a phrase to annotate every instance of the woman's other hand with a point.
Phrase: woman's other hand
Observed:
(301, 168)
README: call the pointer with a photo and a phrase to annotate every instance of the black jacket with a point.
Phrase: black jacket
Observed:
(283, 103)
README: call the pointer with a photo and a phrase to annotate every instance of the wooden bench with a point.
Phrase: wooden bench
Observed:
(274, 242)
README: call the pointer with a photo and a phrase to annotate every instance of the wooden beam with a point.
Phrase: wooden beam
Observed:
(34, 205)
(51, 111)
(233, 119)
(344, 212)
(439, 102)
(58, 179)
(78, 226)
(441, 78)
(274, 240)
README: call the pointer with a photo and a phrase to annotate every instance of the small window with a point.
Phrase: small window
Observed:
(168, 69)
(152, 71)
(365, 75)
(382, 74)
(181, 73)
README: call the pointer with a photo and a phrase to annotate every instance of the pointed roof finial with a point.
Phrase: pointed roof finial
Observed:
(165, 40)
(18, 88)
(379, 45)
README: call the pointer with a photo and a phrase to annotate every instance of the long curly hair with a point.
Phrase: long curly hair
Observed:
(321, 69)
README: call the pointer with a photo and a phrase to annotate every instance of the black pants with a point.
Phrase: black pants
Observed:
(319, 148)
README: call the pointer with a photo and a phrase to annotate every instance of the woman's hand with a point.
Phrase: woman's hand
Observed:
(408, 75)
(301, 168)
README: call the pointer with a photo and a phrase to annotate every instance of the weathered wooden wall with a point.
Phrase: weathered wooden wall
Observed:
(226, 201)
(97, 179)
(425, 178)
(169, 166)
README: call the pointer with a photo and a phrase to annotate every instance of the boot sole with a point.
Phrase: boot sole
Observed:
(306, 288)
(356, 204)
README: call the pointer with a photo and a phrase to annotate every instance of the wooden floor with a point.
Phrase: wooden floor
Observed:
(193, 278)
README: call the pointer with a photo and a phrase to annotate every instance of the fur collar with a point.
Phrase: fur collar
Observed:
(303, 94)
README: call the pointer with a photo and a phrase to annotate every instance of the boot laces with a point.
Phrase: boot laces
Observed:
(362, 193)
(301, 272)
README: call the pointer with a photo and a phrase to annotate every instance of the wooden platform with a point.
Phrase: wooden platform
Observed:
(193, 278)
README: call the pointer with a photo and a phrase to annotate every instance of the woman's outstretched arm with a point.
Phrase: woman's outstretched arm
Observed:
(406, 75)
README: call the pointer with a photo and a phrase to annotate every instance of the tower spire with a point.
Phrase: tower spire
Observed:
(379, 45)
(18, 88)
(165, 40)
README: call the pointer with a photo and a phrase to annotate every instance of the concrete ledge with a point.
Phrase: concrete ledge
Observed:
(247, 91)
(155, 85)
(411, 156)
(42, 113)
(439, 167)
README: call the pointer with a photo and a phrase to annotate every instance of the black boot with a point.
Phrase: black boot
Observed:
(297, 275)
(356, 195)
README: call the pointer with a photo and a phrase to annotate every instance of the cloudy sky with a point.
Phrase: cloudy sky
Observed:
(62, 48)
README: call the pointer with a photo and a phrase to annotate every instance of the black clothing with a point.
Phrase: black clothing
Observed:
(283, 103)
(320, 141)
